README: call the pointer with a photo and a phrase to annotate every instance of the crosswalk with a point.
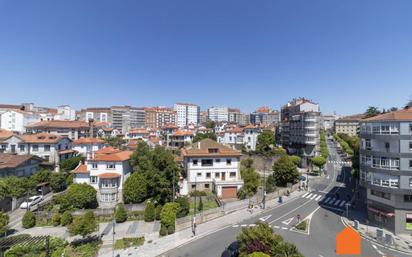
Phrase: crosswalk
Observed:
(340, 162)
(325, 200)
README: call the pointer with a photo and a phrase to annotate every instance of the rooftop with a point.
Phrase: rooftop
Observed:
(88, 140)
(208, 147)
(59, 124)
(41, 138)
(13, 160)
(400, 115)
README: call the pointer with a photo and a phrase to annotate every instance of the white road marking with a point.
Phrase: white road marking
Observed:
(288, 221)
(374, 246)
(284, 228)
(341, 205)
(243, 225)
(289, 212)
(327, 200)
(317, 198)
(235, 226)
(252, 225)
(265, 218)
(337, 202)
(313, 197)
(308, 196)
(277, 227)
(305, 194)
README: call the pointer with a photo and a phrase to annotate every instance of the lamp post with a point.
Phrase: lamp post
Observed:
(114, 233)
(194, 211)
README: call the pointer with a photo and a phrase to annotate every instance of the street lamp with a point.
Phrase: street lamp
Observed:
(194, 211)
(114, 233)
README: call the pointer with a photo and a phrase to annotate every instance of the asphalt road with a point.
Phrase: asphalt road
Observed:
(324, 202)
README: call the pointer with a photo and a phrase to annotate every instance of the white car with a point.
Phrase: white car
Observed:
(31, 201)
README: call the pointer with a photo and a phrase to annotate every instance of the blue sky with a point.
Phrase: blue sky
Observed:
(346, 55)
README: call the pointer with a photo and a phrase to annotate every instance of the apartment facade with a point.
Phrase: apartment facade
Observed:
(179, 138)
(106, 171)
(265, 116)
(187, 114)
(71, 129)
(125, 118)
(211, 166)
(18, 165)
(300, 125)
(386, 168)
(86, 146)
(158, 117)
(97, 114)
(233, 115)
(17, 120)
(218, 114)
(349, 125)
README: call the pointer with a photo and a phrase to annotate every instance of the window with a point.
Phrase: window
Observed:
(410, 127)
(207, 162)
(193, 186)
(46, 157)
(232, 174)
(410, 146)
(408, 221)
(110, 165)
(207, 174)
(94, 165)
(109, 183)
(199, 174)
(214, 150)
(22, 148)
(410, 163)
(381, 194)
(194, 162)
(35, 148)
(217, 160)
(217, 175)
(407, 198)
(228, 161)
(93, 179)
(47, 148)
(207, 186)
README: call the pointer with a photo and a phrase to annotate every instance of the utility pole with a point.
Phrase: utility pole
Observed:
(194, 211)
(114, 233)
(173, 185)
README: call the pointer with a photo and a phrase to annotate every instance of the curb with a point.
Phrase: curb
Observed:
(371, 239)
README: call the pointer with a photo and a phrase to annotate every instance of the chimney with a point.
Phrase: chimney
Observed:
(91, 122)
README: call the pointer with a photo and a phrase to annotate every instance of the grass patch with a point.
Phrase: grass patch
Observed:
(84, 250)
(128, 242)
(135, 215)
(208, 203)
(302, 226)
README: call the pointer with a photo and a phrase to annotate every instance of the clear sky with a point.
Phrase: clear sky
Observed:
(345, 55)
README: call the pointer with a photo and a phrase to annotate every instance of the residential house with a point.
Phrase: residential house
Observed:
(18, 165)
(349, 125)
(88, 145)
(179, 139)
(71, 129)
(211, 166)
(17, 120)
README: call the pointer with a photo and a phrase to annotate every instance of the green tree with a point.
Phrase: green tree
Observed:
(318, 161)
(135, 188)
(200, 205)
(295, 159)
(29, 220)
(41, 176)
(4, 221)
(57, 179)
(251, 181)
(116, 142)
(149, 212)
(77, 196)
(83, 225)
(121, 213)
(266, 143)
(284, 171)
(210, 124)
(168, 214)
(247, 163)
(372, 111)
(17, 186)
(184, 207)
(56, 219)
(158, 211)
(200, 137)
(259, 238)
(70, 164)
(285, 249)
(66, 218)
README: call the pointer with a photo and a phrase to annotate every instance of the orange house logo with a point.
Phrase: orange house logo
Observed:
(348, 242)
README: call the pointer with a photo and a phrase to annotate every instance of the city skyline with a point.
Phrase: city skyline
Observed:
(235, 54)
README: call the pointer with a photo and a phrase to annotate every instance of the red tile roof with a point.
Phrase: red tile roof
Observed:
(59, 124)
(81, 169)
(45, 138)
(112, 154)
(401, 115)
(88, 140)
(108, 175)
(4, 134)
(208, 147)
(12, 160)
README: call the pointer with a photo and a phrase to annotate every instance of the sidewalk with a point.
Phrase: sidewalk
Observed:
(155, 245)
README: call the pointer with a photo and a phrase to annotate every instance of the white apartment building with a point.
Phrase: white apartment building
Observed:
(238, 137)
(187, 114)
(106, 171)
(65, 112)
(138, 134)
(86, 146)
(16, 120)
(349, 125)
(211, 166)
(218, 114)
(71, 129)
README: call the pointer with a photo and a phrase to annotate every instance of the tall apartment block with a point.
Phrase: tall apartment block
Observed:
(187, 114)
(264, 116)
(95, 113)
(125, 118)
(158, 117)
(218, 114)
(300, 124)
(386, 169)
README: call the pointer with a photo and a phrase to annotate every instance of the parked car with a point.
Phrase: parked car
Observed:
(31, 201)
(232, 250)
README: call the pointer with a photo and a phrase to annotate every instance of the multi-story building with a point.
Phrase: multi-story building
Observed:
(240, 137)
(327, 122)
(125, 118)
(187, 114)
(211, 166)
(203, 117)
(349, 125)
(243, 119)
(71, 129)
(106, 171)
(300, 125)
(233, 115)
(264, 116)
(158, 117)
(218, 114)
(65, 112)
(386, 169)
(179, 138)
(17, 120)
(18, 165)
(86, 146)
(97, 114)
(137, 133)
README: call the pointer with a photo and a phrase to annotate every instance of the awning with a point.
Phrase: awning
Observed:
(380, 212)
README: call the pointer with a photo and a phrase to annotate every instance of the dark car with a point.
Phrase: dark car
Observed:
(232, 250)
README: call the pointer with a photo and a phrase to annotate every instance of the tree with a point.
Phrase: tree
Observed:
(184, 207)
(372, 111)
(17, 186)
(116, 142)
(168, 214)
(41, 176)
(200, 206)
(83, 225)
(318, 161)
(66, 218)
(247, 163)
(251, 181)
(259, 238)
(285, 249)
(135, 188)
(121, 213)
(200, 137)
(210, 124)
(149, 212)
(284, 171)
(4, 221)
(77, 196)
(70, 164)
(295, 159)
(265, 143)
(57, 179)
(29, 220)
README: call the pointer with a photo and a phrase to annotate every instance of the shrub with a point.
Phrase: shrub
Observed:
(29, 220)
(258, 254)
(149, 212)
(184, 207)
(301, 226)
(198, 193)
(56, 218)
(171, 229)
(135, 188)
(66, 218)
(168, 214)
(163, 231)
(158, 211)
(200, 206)
(78, 196)
(83, 225)
(121, 213)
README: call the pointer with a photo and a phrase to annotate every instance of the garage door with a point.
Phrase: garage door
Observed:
(229, 192)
